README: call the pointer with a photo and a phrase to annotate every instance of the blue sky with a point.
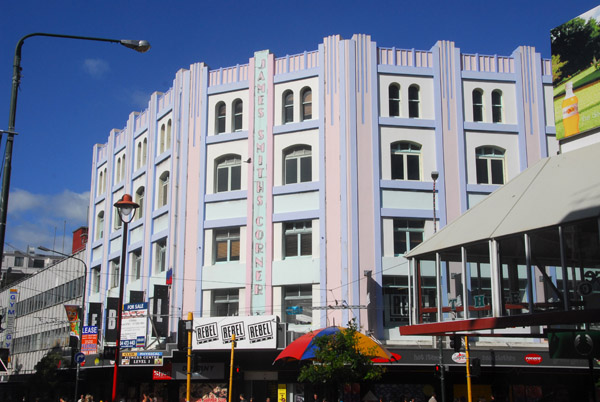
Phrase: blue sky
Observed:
(73, 92)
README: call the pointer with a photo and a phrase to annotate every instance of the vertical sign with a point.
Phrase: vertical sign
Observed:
(89, 340)
(11, 313)
(160, 310)
(110, 331)
(259, 180)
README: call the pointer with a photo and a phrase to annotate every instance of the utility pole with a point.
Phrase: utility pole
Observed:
(189, 327)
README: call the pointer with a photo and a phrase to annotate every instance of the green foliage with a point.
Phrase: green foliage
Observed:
(338, 360)
(557, 66)
(46, 371)
(576, 42)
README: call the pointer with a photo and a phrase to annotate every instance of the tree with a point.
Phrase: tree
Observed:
(576, 42)
(557, 66)
(338, 360)
(46, 378)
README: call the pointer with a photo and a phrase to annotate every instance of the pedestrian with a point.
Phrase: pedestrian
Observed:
(268, 399)
(315, 398)
(242, 398)
(433, 398)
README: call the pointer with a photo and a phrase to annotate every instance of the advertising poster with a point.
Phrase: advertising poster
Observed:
(251, 332)
(89, 340)
(134, 325)
(73, 317)
(576, 74)
(110, 331)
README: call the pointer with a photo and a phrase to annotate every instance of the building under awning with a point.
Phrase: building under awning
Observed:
(532, 246)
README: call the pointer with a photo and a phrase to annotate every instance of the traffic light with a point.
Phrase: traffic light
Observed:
(438, 370)
(109, 352)
(475, 367)
(182, 335)
(456, 342)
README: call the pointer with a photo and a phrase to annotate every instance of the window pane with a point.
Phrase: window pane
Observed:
(416, 238)
(397, 167)
(399, 243)
(482, 173)
(235, 250)
(305, 169)
(236, 179)
(291, 172)
(413, 101)
(291, 245)
(413, 167)
(497, 171)
(221, 251)
(222, 178)
(307, 111)
(306, 244)
(237, 122)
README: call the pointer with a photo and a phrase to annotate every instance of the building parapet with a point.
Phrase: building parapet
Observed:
(405, 57)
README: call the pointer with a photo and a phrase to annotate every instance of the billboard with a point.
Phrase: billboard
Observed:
(134, 325)
(251, 332)
(576, 74)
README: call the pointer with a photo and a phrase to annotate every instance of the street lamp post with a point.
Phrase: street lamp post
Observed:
(82, 317)
(137, 45)
(126, 208)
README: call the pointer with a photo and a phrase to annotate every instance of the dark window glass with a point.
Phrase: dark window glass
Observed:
(413, 101)
(497, 106)
(306, 104)
(288, 107)
(394, 100)
(238, 109)
(305, 169)
(412, 162)
(497, 171)
(291, 171)
(482, 171)
(477, 105)
(397, 167)
(221, 111)
(236, 177)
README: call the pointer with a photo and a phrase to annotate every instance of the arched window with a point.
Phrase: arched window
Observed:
(228, 173)
(238, 113)
(394, 100)
(477, 105)
(118, 171)
(168, 141)
(306, 104)
(489, 165)
(413, 101)
(497, 106)
(100, 181)
(297, 165)
(406, 161)
(144, 151)
(139, 199)
(117, 220)
(163, 189)
(100, 225)
(288, 107)
(220, 115)
(138, 162)
(162, 139)
(104, 181)
(123, 165)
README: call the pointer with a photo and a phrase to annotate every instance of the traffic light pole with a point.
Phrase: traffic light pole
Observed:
(442, 374)
(189, 357)
(469, 392)
(231, 367)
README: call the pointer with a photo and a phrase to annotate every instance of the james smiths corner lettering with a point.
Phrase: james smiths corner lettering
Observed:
(259, 163)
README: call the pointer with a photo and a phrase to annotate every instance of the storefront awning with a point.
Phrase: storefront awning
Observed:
(556, 190)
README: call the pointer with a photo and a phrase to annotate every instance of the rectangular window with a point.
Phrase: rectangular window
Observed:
(136, 264)
(19, 261)
(96, 279)
(407, 235)
(297, 239)
(227, 245)
(161, 256)
(115, 273)
(225, 302)
(395, 299)
(297, 304)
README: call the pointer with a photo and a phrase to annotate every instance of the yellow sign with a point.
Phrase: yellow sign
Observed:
(281, 392)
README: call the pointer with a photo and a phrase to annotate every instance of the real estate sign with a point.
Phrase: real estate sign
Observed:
(576, 74)
(134, 325)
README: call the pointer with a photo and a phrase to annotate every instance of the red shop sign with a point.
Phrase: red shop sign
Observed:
(533, 359)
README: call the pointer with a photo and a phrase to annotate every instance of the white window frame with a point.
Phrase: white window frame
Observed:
(228, 236)
(297, 230)
(228, 163)
(406, 149)
(296, 154)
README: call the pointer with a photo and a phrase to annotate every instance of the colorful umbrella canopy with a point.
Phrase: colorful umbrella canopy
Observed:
(304, 348)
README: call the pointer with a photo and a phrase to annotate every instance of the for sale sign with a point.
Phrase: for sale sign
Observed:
(134, 325)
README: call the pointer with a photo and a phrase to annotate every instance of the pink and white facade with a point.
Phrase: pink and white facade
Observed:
(292, 186)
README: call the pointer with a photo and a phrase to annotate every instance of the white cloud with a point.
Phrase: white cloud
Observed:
(139, 99)
(96, 67)
(41, 219)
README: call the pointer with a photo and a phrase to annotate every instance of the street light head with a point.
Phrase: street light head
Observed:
(126, 207)
(141, 46)
(435, 174)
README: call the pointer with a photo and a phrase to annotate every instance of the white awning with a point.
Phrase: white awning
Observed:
(556, 190)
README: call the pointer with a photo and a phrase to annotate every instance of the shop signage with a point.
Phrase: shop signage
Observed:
(163, 373)
(142, 359)
(459, 357)
(251, 332)
(11, 313)
(133, 325)
(533, 359)
(203, 371)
